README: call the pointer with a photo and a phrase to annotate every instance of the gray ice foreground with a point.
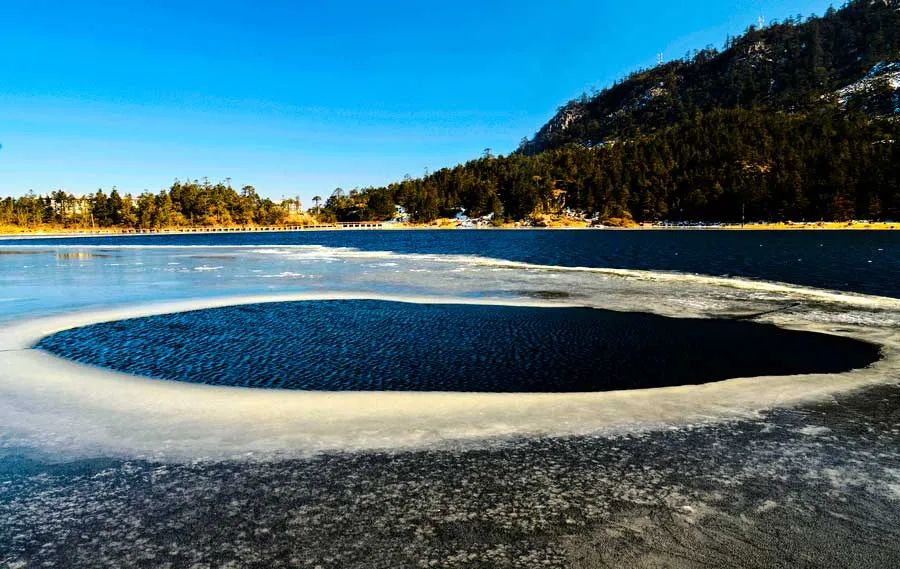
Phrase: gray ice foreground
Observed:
(72, 409)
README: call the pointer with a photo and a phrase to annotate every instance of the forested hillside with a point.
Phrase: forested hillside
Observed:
(794, 121)
(720, 165)
(790, 66)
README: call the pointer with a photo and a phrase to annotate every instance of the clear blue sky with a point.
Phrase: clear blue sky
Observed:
(299, 97)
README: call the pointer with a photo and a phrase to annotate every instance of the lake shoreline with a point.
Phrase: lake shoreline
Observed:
(116, 232)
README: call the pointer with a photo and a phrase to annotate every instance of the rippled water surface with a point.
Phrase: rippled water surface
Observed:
(862, 261)
(389, 346)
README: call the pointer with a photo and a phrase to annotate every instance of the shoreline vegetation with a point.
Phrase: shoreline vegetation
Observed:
(448, 224)
(203, 207)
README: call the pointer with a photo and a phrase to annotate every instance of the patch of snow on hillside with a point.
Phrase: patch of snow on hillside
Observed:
(883, 74)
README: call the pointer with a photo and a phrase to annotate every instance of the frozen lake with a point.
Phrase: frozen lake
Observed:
(753, 471)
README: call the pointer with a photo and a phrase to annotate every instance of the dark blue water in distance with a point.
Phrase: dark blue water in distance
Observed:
(860, 261)
(373, 345)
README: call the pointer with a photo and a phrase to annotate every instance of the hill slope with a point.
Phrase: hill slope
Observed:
(796, 121)
(850, 57)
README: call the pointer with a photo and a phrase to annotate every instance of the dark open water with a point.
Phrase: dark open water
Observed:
(368, 345)
(860, 261)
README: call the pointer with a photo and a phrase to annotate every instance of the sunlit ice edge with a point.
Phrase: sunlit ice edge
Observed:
(316, 251)
(71, 409)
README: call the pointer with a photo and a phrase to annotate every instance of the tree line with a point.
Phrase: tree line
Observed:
(725, 165)
(192, 203)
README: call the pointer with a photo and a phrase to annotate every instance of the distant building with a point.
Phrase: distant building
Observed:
(400, 214)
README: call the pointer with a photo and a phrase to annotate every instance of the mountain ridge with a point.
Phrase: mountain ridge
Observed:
(791, 65)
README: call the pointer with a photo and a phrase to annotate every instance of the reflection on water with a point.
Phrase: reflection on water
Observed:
(79, 255)
(42, 284)
(861, 261)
